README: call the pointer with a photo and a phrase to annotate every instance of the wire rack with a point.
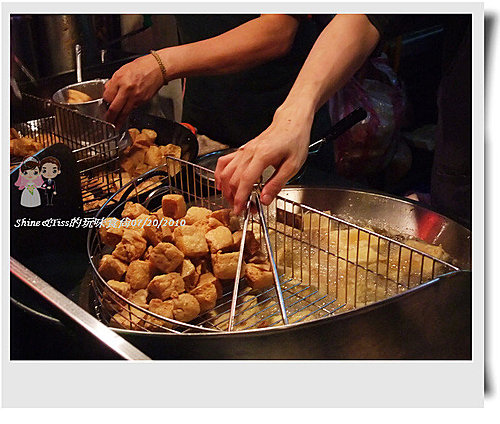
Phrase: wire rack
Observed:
(95, 144)
(327, 266)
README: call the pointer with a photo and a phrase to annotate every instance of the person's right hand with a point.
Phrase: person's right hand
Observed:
(133, 84)
(283, 145)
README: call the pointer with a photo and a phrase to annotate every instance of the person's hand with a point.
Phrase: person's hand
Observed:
(133, 84)
(283, 145)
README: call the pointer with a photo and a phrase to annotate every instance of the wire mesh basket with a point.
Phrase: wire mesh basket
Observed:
(95, 145)
(327, 266)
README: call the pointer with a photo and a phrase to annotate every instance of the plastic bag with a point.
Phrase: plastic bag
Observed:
(369, 146)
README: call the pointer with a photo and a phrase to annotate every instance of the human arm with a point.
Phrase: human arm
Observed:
(255, 42)
(340, 50)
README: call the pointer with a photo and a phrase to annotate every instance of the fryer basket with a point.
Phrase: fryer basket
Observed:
(327, 265)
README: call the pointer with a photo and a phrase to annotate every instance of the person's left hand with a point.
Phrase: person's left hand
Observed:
(133, 84)
(283, 145)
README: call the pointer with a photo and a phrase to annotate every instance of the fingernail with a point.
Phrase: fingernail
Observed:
(267, 199)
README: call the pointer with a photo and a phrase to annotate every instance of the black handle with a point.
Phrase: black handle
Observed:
(345, 124)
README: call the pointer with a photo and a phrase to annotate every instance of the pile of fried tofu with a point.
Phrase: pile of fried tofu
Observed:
(175, 261)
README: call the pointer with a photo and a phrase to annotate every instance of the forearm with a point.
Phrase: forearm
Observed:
(340, 50)
(255, 42)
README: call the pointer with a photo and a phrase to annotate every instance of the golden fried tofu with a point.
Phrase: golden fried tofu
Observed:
(222, 215)
(139, 274)
(139, 297)
(159, 231)
(138, 224)
(166, 286)
(205, 225)
(259, 276)
(190, 241)
(166, 257)
(150, 134)
(206, 295)
(188, 273)
(131, 247)
(202, 264)
(143, 139)
(186, 307)
(146, 254)
(225, 265)
(195, 213)
(251, 243)
(111, 231)
(120, 287)
(208, 277)
(165, 309)
(172, 150)
(112, 268)
(133, 133)
(173, 206)
(129, 318)
(154, 157)
(219, 238)
(133, 210)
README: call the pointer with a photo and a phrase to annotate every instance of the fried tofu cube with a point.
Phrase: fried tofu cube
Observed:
(186, 307)
(166, 286)
(138, 224)
(158, 231)
(190, 241)
(131, 247)
(133, 210)
(147, 253)
(222, 215)
(219, 238)
(251, 243)
(151, 135)
(195, 213)
(173, 206)
(139, 297)
(143, 139)
(206, 295)
(129, 318)
(208, 277)
(189, 274)
(165, 309)
(112, 268)
(139, 274)
(259, 276)
(205, 225)
(120, 287)
(166, 257)
(133, 133)
(225, 265)
(172, 150)
(154, 157)
(111, 231)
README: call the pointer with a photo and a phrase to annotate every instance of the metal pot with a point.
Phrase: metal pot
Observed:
(430, 321)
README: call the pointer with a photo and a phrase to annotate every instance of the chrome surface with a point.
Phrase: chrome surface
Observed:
(119, 345)
(320, 277)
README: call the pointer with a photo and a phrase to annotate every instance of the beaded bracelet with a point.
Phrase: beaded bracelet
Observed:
(162, 67)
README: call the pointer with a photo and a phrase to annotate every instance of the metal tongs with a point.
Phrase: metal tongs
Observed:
(254, 200)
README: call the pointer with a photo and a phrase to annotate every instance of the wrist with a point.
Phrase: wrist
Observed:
(160, 67)
(299, 112)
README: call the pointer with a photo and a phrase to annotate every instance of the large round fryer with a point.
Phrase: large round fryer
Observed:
(431, 321)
